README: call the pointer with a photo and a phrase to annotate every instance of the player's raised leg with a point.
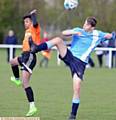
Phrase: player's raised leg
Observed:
(57, 41)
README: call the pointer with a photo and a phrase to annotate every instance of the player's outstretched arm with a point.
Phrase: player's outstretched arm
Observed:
(111, 35)
(33, 17)
(69, 32)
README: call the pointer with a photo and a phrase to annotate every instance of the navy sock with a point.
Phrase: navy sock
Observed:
(42, 46)
(15, 70)
(29, 93)
(74, 108)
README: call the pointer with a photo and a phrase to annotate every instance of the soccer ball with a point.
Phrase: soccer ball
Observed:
(70, 4)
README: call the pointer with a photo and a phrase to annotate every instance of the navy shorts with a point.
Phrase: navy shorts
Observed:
(28, 61)
(76, 65)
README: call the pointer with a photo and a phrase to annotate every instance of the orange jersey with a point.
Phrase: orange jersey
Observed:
(33, 32)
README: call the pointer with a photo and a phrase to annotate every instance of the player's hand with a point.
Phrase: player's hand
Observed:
(33, 11)
(108, 36)
(114, 35)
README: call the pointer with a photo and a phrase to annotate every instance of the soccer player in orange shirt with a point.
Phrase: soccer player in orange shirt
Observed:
(27, 60)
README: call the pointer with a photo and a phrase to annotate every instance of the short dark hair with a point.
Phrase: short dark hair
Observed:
(92, 21)
(26, 16)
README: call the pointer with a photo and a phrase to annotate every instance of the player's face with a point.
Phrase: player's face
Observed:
(87, 27)
(27, 23)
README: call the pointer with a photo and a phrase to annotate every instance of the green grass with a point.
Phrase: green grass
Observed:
(53, 93)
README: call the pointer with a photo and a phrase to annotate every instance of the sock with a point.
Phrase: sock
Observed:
(44, 46)
(32, 104)
(75, 105)
(29, 93)
(15, 70)
(49, 44)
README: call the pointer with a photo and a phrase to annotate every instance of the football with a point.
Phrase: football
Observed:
(70, 4)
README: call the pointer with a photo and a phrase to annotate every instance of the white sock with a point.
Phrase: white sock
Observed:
(32, 104)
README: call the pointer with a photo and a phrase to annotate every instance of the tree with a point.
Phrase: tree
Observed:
(54, 17)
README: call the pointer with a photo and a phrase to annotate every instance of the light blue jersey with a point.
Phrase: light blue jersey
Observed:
(82, 45)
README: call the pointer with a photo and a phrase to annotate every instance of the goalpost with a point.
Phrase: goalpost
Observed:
(54, 48)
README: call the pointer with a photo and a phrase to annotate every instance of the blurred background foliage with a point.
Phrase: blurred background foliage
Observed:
(52, 17)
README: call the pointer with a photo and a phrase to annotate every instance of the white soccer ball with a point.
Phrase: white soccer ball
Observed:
(70, 4)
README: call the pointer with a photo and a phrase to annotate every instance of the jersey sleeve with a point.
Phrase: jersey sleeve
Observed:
(102, 36)
(77, 29)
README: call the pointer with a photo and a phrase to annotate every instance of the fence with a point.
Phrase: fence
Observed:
(58, 60)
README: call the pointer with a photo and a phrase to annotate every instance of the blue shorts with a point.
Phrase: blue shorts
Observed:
(28, 61)
(76, 65)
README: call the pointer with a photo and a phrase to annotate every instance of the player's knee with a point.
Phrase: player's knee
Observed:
(58, 39)
(11, 62)
(25, 84)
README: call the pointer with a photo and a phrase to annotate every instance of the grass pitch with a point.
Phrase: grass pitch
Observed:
(53, 92)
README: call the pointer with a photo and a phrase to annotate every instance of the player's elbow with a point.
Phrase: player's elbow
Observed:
(58, 40)
(35, 25)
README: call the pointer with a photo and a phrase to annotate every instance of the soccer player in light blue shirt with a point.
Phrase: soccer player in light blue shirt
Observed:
(84, 41)
(91, 39)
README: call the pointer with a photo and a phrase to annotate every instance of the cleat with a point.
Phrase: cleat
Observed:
(32, 111)
(17, 82)
(72, 117)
